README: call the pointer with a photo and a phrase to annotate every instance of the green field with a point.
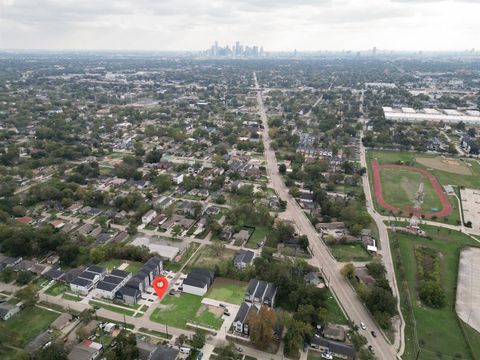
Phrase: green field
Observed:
(350, 252)
(432, 324)
(227, 290)
(207, 257)
(444, 177)
(30, 322)
(335, 313)
(177, 311)
(258, 235)
(113, 308)
(400, 186)
(111, 264)
(57, 289)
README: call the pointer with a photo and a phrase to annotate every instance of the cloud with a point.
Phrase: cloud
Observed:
(276, 24)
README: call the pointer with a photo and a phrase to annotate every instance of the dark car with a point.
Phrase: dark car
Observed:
(374, 334)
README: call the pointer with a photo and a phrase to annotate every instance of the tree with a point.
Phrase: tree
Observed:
(162, 183)
(296, 333)
(126, 348)
(7, 275)
(55, 351)
(24, 277)
(357, 340)
(261, 327)
(176, 230)
(28, 296)
(376, 269)
(198, 340)
(294, 191)
(432, 293)
(229, 352)
(282, 168)
(348, 271)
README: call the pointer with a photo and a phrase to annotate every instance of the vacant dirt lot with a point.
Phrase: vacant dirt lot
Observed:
(449, 165)
(471, 206)
(468, 287)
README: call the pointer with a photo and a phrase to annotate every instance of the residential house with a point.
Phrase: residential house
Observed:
(261, 293)
(243, 258)
(334, 348)
(198, 281)
(312, 278)
(86, 350)
(148, 216)
(178, 179)
(61, 322)
(240, 323)
(7, 310)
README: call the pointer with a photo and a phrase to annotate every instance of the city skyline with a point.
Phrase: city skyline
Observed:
(285, 25)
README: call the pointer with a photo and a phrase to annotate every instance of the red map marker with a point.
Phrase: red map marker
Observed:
(160, 285)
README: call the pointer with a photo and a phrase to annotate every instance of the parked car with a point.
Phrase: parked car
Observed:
(374, 334)
(362, 325)
(327, 355)
(370, 348)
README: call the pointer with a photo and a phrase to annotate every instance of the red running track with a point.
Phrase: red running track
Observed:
(376, 167)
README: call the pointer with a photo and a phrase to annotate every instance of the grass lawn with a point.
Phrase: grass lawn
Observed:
(177, 311)
(207, 258)
(336, 314)
(30, 322)
(230, 291)
(444, 177)
(350, 252)
(432, 324)
(71, 297)
(134, 266)
(8, 354)
(112, 263)
(156, 333)
(400, 186)
(57, 289)
(113, 308)
(258, 235)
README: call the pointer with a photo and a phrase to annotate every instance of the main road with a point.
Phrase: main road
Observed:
(344, 292)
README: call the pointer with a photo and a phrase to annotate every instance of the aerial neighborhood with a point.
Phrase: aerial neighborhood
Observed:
(314, 209)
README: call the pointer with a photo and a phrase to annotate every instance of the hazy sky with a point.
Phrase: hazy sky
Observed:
(275, 24)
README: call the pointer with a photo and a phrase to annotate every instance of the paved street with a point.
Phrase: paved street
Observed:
(341, 288)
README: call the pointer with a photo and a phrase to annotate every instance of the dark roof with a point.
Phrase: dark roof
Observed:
(120, 273)
(334, 346)
(210, 275)
(154, 260)
(103, 285)
(244, 256)
(113, 279)
(262, 286)
(242, 312)
(142, 275)
(134, 283)
(54, 274)
(129, 291)
(72, 274)
(163, 352)
(81, 282)
(252, 285)
(194, 282)
(88, 275)
(270, 291)
(96, 269)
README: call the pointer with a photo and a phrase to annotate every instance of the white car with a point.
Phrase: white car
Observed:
(362, 325)
(327, 355)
